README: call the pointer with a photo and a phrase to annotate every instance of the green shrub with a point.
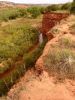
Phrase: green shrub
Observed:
(72, 28)
(66, 6)
(73, 7)
(34, 11)
(8, 13)
(12, 13)
(53, 8)
(23, 12)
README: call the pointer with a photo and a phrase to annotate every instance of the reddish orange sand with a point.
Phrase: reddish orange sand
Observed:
(31, 87)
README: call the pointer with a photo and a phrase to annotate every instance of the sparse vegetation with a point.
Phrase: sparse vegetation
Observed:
(61, 58)
(9, 13)
(67, 43)
(34, 11)
(61, 62)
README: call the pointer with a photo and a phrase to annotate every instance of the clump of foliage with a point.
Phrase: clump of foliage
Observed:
(72, 28)
(6, 14)
(53, 8)
(23, 12)
(12, 13)
(66, 6)
(73, 7)
(34, 11)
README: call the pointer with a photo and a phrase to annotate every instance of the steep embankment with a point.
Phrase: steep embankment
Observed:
(45, 87)
(32, 87)
(50, 20)
(63, 30)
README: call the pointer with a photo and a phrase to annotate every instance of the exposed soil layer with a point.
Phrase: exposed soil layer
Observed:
(43, 87)
(50, 20)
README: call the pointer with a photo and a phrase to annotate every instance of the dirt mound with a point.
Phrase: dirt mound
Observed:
(42, 88)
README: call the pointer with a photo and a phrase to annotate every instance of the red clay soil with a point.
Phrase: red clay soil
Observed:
(50, 20)
(43, 87)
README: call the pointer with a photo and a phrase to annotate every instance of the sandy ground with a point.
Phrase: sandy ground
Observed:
(44, 87)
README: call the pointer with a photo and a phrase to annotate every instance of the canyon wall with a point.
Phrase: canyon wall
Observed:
(50, 19)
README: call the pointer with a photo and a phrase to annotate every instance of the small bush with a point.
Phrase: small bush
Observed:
(66, 6)
(34, 11)
(73, 7)
(12, 13)
(23, 12)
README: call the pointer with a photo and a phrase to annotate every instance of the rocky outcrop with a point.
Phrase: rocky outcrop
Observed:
(50, 20)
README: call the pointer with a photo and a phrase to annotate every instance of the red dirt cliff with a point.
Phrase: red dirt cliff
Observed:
(50, 20)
